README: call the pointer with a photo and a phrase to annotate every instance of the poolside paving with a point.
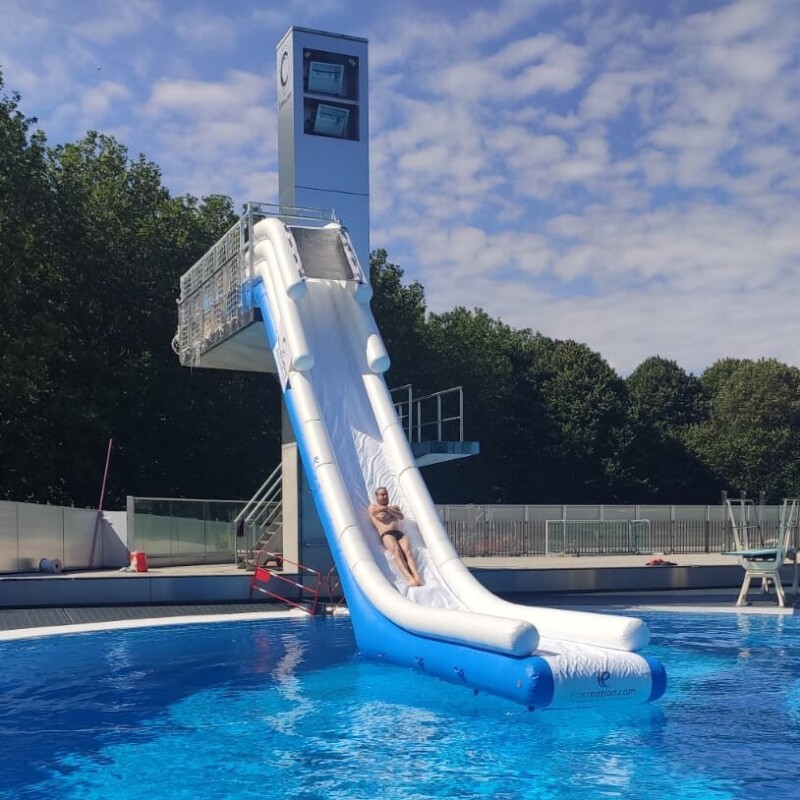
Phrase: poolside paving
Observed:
(25, 618)
(512, 576)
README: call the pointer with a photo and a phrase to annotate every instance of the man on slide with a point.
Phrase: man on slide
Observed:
(386, 520)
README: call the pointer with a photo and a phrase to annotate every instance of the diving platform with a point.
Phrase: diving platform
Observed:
(433, 452)
(220, 327)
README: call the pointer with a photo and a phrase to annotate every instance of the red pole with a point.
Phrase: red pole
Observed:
(100, 504)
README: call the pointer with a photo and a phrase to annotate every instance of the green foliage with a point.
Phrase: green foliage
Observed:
(91, 256)
(91, 253)
(715, 376)
(663, 395)
(399, 312)
(664, 401)
(469, 349)
(30, 287)
(752, 435)
(585, 402)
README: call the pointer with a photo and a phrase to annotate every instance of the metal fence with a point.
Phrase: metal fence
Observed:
(521, 530)
(597, 537)
(202, 531)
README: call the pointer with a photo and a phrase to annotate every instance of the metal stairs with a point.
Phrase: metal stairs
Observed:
(259, 526)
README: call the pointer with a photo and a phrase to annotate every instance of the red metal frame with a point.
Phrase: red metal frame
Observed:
(263, 574)
(333, 584)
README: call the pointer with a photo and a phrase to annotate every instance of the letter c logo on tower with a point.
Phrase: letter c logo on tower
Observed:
(284, 78)
(284, 68)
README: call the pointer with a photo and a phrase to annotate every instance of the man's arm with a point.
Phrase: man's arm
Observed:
(383, 519)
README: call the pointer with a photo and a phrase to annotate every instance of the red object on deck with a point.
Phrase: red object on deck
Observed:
(138, 561)
(262, 574)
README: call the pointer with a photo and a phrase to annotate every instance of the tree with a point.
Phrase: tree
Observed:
(585, 402)
(664, 401)
(752, 436)
(90, 317)
(719, 372)
(399, 311)
(30, 288)
(474, 351)
(664, 395)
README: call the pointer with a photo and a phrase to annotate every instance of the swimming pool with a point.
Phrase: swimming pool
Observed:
(286, 709)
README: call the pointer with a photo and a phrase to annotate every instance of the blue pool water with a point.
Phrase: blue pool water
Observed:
(286, 709)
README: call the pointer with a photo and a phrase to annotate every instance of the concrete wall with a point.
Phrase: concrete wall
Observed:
(31, 532)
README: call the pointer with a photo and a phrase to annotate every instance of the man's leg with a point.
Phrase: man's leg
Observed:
(405, 546)
(390, 543)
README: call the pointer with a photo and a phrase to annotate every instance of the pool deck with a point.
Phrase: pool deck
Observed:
(114, 598)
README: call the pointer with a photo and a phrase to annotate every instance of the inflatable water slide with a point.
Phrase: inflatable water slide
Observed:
(314, 299)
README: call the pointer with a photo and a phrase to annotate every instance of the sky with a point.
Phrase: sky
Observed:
(624, 173)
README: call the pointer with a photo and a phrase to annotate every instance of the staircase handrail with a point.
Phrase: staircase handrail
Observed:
(745, 524)
(267, 513)
(255, 503)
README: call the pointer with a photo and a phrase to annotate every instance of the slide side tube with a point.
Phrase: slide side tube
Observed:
(364, 337)
(514, 637)
(611, 631)
(290, 266)
(363, 288)
(283, 310)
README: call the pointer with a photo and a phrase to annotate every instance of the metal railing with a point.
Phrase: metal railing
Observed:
(521, 530)
(212, 305)
(597, 537)
(438, 416)
(182, 532)
(215, 299)
(259, 525)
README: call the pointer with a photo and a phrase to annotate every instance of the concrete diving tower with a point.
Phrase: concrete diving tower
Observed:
(220, 327)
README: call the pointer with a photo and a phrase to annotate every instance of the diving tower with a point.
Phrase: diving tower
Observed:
(323, 172)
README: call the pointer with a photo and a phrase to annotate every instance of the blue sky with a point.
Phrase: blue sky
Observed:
(620, 172)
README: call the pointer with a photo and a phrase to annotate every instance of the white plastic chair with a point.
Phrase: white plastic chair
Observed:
(759, 558)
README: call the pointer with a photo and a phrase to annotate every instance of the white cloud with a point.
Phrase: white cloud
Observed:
(207, 30)
(227, 99)
(98, 102)
(560, 70)
(756, 63)
(733, 20)
(621, 174)
(107, 23)
(609, 95)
